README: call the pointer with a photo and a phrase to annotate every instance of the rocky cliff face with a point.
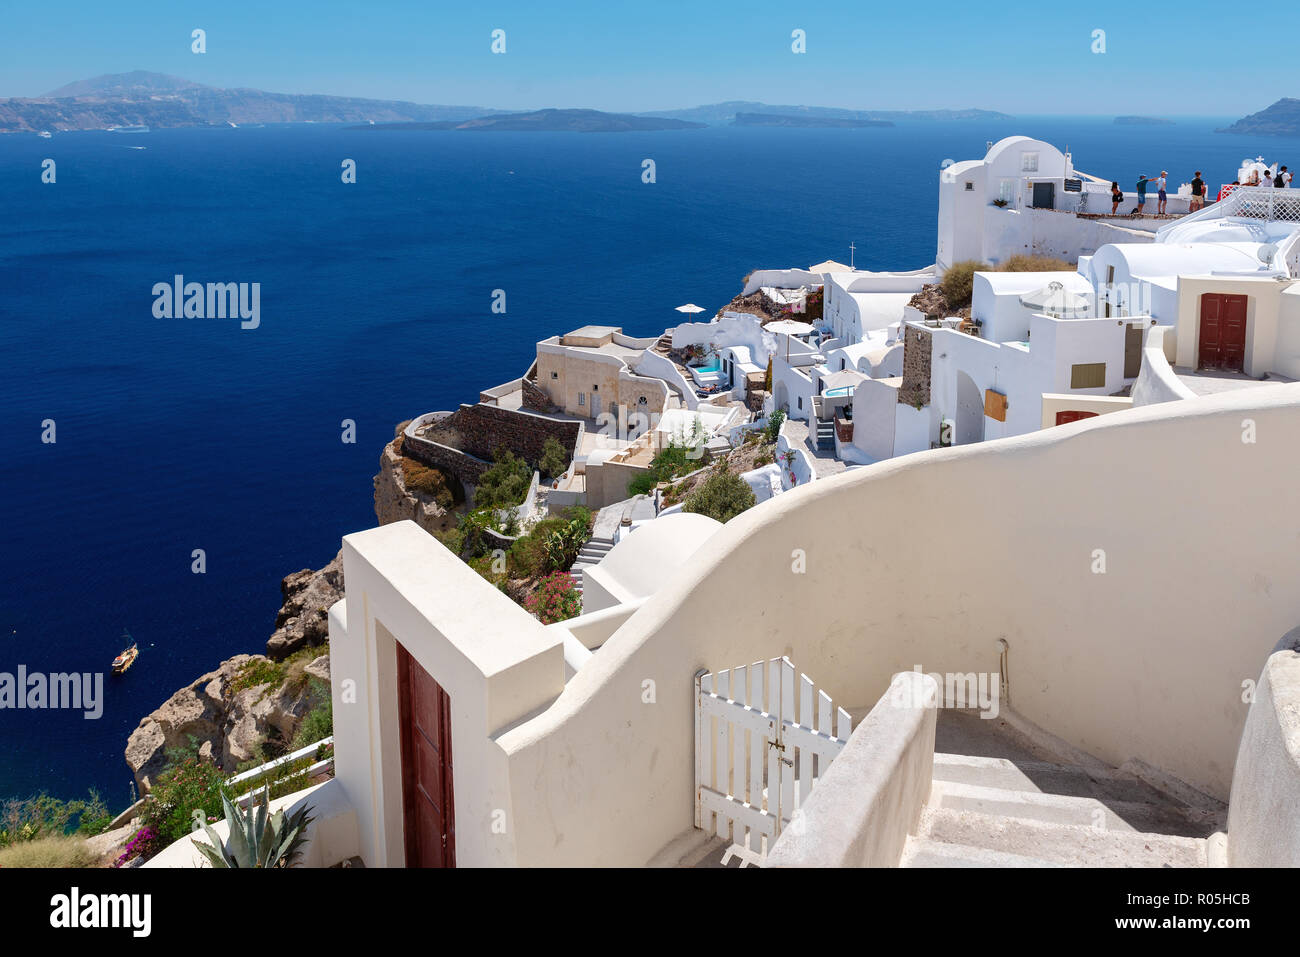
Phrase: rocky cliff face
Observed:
(304, 616)
(227, 726)
(394, 502)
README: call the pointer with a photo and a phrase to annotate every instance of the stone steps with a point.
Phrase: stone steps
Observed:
(995, 812)
(1064, 844)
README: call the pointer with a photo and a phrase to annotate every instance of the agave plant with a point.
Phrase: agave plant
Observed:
(258, 838)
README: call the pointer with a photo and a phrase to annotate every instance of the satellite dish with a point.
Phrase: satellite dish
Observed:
(946, 163)
(1267, 253)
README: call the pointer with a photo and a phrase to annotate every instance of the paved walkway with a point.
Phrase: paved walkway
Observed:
(825, 464)
(1212, 383)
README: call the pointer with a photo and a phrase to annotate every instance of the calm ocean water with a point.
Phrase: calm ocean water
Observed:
(375, 306)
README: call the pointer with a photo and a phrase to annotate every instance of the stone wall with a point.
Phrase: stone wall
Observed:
(465, 443)
(916, 367)
(466, 468)
(535, 397)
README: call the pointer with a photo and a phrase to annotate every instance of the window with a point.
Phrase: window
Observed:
(555, 375)
(582, 398)
(1029, 162)
(595, 388)
(970, 186)
(1007, 190)
(1088, 375)
(1110, 275)
(641, 400)
(801, 402)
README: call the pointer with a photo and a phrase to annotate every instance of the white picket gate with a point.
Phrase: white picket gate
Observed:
(755, 761)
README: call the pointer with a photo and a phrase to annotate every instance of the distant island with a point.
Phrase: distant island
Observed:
(780, 119)
(724, 114)
(1143, 121)
(1280, 119)
(160, 101)
(566, 121)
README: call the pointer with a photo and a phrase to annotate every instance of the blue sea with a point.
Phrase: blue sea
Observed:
(183, 434)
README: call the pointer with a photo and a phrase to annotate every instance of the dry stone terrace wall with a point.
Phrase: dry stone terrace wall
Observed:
(535, 397)
(464, 443)
(916, 367)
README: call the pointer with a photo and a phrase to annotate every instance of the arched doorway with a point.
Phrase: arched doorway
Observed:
(970, 412)
(781, 397)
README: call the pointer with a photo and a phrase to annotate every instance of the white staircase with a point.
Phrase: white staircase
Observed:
(590, 554)
(997, 812)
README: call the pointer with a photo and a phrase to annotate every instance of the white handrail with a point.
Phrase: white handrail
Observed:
(283, 759)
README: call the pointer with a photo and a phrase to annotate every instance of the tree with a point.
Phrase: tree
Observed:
(504, 484)
(722, 495)
(767, 380)
(554, 461)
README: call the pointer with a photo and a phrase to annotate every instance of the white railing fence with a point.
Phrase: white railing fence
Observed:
(252, 778)
(759, 750)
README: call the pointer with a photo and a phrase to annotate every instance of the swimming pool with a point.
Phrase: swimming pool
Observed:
(842, 390)
(714, 366)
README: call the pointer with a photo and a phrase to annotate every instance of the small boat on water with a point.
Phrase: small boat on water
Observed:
(128, 129)
(44, 134)
(127, 658)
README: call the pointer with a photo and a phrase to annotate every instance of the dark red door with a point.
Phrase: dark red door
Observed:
(1223, 333)
(428, 810)
(1072, 416)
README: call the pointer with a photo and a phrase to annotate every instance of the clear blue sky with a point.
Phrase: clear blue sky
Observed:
(1192, 58)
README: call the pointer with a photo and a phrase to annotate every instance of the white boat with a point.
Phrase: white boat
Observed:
(44, 134)
(128, 129)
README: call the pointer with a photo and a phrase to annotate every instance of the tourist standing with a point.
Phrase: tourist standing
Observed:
(1198, 192)
(1142, 192)
(1161, 196)
(1282, 179)
(1116, 197)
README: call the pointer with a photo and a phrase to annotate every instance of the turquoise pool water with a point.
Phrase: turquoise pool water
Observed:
(713, 366)
(842, 390)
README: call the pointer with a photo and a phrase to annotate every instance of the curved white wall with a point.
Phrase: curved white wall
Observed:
(1143, 660)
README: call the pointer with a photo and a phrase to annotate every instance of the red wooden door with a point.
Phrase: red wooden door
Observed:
(428, 810)
(1223, 333)
(1072, 416)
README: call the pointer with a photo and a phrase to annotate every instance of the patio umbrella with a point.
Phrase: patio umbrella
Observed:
(690, 307)
(789, 327)
(845, 378)
(1055, 300)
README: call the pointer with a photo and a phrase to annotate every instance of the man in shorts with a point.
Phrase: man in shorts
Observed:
(1198, 192)
(1142, 192)
(1161, 196)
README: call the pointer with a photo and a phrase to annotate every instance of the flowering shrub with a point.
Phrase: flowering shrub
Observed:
(143, 844)
(556, 600)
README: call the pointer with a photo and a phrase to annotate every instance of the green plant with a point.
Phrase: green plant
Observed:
(41, 816)
(319, 721)
(259, 671)
(643, 484)
(563, 544)
(504, 484)
(180, 791)
(958, 282)
(774, 422)
(557, 599)
(474, 542)
(554, 462)
(257, 838)
(722, 495)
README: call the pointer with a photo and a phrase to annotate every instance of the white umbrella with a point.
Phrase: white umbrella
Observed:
(789, 327)
(842, 379)
(690, 307)
(1055, 300)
